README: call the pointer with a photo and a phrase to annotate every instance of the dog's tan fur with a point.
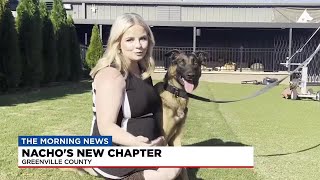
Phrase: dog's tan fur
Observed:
(174, 116)
(174, 110)
(286, 93)
(293, 85)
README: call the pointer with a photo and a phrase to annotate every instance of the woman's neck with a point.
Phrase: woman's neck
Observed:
(133, 68)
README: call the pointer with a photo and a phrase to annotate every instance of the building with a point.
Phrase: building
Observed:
(254, 34)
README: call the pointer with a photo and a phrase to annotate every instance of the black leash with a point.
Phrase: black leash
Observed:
(288, 153)
(259, 92)
(264, 89)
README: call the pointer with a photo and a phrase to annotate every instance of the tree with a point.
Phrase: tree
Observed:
(10, 62)
(30, 40)
(59, 20)
(49, 51)
(95, 49)
(75, 59)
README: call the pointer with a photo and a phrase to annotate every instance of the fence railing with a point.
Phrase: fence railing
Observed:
(239, 59)
(253, 59)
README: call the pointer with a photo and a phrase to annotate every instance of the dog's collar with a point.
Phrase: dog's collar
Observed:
(176, 91)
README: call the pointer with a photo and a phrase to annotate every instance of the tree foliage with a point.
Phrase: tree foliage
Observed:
(10, 62)
(75, 59)
(29, 28)
(95, 49)
(49, 51)
(59, 20)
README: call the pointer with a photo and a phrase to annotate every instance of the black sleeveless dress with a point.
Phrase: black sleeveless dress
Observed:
(137, 116)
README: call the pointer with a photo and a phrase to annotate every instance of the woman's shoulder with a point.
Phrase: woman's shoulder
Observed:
(109, 76)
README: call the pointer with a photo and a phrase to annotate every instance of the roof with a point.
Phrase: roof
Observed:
(273, 3)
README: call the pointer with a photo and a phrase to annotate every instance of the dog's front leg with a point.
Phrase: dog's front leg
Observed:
(176, 139)
(183, 175)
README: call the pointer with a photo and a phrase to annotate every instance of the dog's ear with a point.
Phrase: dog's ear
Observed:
(173, 54)
(203, 56)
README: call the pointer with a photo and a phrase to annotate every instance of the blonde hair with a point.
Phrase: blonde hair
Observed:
(112, 55)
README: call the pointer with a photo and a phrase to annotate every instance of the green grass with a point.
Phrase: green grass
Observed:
(270, 124)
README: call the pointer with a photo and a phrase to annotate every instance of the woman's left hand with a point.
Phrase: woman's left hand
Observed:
(160, 141)
(143, 139)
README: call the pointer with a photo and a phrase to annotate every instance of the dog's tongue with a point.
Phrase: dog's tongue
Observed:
(188, 86)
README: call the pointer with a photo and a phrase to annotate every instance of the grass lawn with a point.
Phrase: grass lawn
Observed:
(272, 125)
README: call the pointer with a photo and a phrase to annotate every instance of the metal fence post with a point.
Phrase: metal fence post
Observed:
(194, 39)
(100, 31)
(290, 47)
(241, 56)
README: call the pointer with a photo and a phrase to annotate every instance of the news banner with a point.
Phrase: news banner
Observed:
(97, 151)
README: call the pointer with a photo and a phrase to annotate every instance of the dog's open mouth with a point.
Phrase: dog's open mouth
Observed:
(188, 85)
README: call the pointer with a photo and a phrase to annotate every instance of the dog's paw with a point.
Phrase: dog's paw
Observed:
(180, 114)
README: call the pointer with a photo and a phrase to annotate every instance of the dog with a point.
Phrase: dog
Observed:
(286, 93)
(182, 77)
(293, 85)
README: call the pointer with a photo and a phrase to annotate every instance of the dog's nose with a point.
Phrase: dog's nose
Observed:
(190, 75)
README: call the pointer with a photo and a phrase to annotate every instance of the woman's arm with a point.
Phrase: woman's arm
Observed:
(110, 87)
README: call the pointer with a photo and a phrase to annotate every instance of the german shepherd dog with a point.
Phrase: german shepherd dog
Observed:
(181, 78)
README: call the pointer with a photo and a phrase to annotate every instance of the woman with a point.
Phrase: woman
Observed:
(124, 98)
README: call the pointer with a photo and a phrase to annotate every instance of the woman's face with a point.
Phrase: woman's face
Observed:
(134, 43)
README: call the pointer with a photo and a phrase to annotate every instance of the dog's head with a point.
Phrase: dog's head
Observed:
(185, 69)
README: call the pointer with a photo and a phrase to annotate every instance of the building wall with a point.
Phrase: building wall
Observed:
(195, 15)
(226, 14)
(174, 13)
(77, 11)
